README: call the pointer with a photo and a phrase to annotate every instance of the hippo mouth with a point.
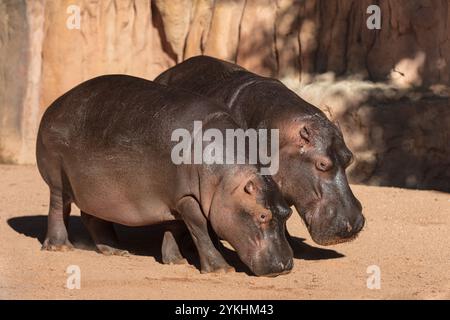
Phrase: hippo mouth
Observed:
(310, 216)
(283, 270)
(330, 242)
(276, 274)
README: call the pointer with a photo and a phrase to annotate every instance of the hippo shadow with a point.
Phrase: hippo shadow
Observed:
(141, 241)
(147, 241)
(304, 251)
(301, 250)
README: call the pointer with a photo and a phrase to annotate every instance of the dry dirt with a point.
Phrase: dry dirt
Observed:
(406, 235)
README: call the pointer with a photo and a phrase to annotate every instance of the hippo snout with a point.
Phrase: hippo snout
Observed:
(276, 260)
(274, 268)
(336, 224)
(354, 219)
(350, 228)
(359, 223)
(349, 223)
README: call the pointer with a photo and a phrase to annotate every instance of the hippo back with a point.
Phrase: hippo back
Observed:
(251, 98)
(111, 136)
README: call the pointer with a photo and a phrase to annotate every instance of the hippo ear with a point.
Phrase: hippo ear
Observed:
(304, 134)
(250, 187)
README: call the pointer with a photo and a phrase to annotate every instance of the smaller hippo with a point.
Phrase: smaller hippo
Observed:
(106, 146)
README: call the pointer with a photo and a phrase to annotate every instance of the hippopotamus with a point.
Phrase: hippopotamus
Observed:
(313, 155)
(106, 146)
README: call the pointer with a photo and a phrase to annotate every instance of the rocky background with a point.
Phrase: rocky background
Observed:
(387, 88)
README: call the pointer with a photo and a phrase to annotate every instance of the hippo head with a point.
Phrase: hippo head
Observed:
(313, 159)
(248, 211)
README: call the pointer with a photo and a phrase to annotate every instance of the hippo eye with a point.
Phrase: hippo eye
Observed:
(262, 217)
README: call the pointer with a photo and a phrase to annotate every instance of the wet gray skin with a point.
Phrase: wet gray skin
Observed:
(106, 147)
(313, 154)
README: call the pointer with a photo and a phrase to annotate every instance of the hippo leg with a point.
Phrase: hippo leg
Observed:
(170, 251)
(103, 234)
(57, 238)
(210, 258)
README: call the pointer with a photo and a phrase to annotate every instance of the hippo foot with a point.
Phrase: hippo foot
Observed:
(170, 251)
(50, 245)
(110, 251)
(176, 261)
(222, 268)
(173, 259)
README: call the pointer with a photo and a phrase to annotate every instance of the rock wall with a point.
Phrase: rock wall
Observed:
(13, 75)
(297, 38)
(399, 137)
(41, 57)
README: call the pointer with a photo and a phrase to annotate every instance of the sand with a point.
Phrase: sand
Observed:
(407, 236)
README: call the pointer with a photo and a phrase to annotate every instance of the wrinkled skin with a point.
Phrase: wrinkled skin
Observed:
(313, 154)
(106, 147)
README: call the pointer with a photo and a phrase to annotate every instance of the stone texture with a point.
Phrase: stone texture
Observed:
(14, 45)
(399, 138)
(21, 32)
(176, 16)
(199, 28)
(223, 35)
(115, 37)
(256, 50)
(287, 26)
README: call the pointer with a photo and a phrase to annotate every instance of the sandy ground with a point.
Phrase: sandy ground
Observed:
(406, 235)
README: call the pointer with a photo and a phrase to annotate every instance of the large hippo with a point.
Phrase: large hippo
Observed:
(106, 147)
(313, 155)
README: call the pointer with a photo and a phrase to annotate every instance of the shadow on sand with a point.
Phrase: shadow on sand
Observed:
(146, 241)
